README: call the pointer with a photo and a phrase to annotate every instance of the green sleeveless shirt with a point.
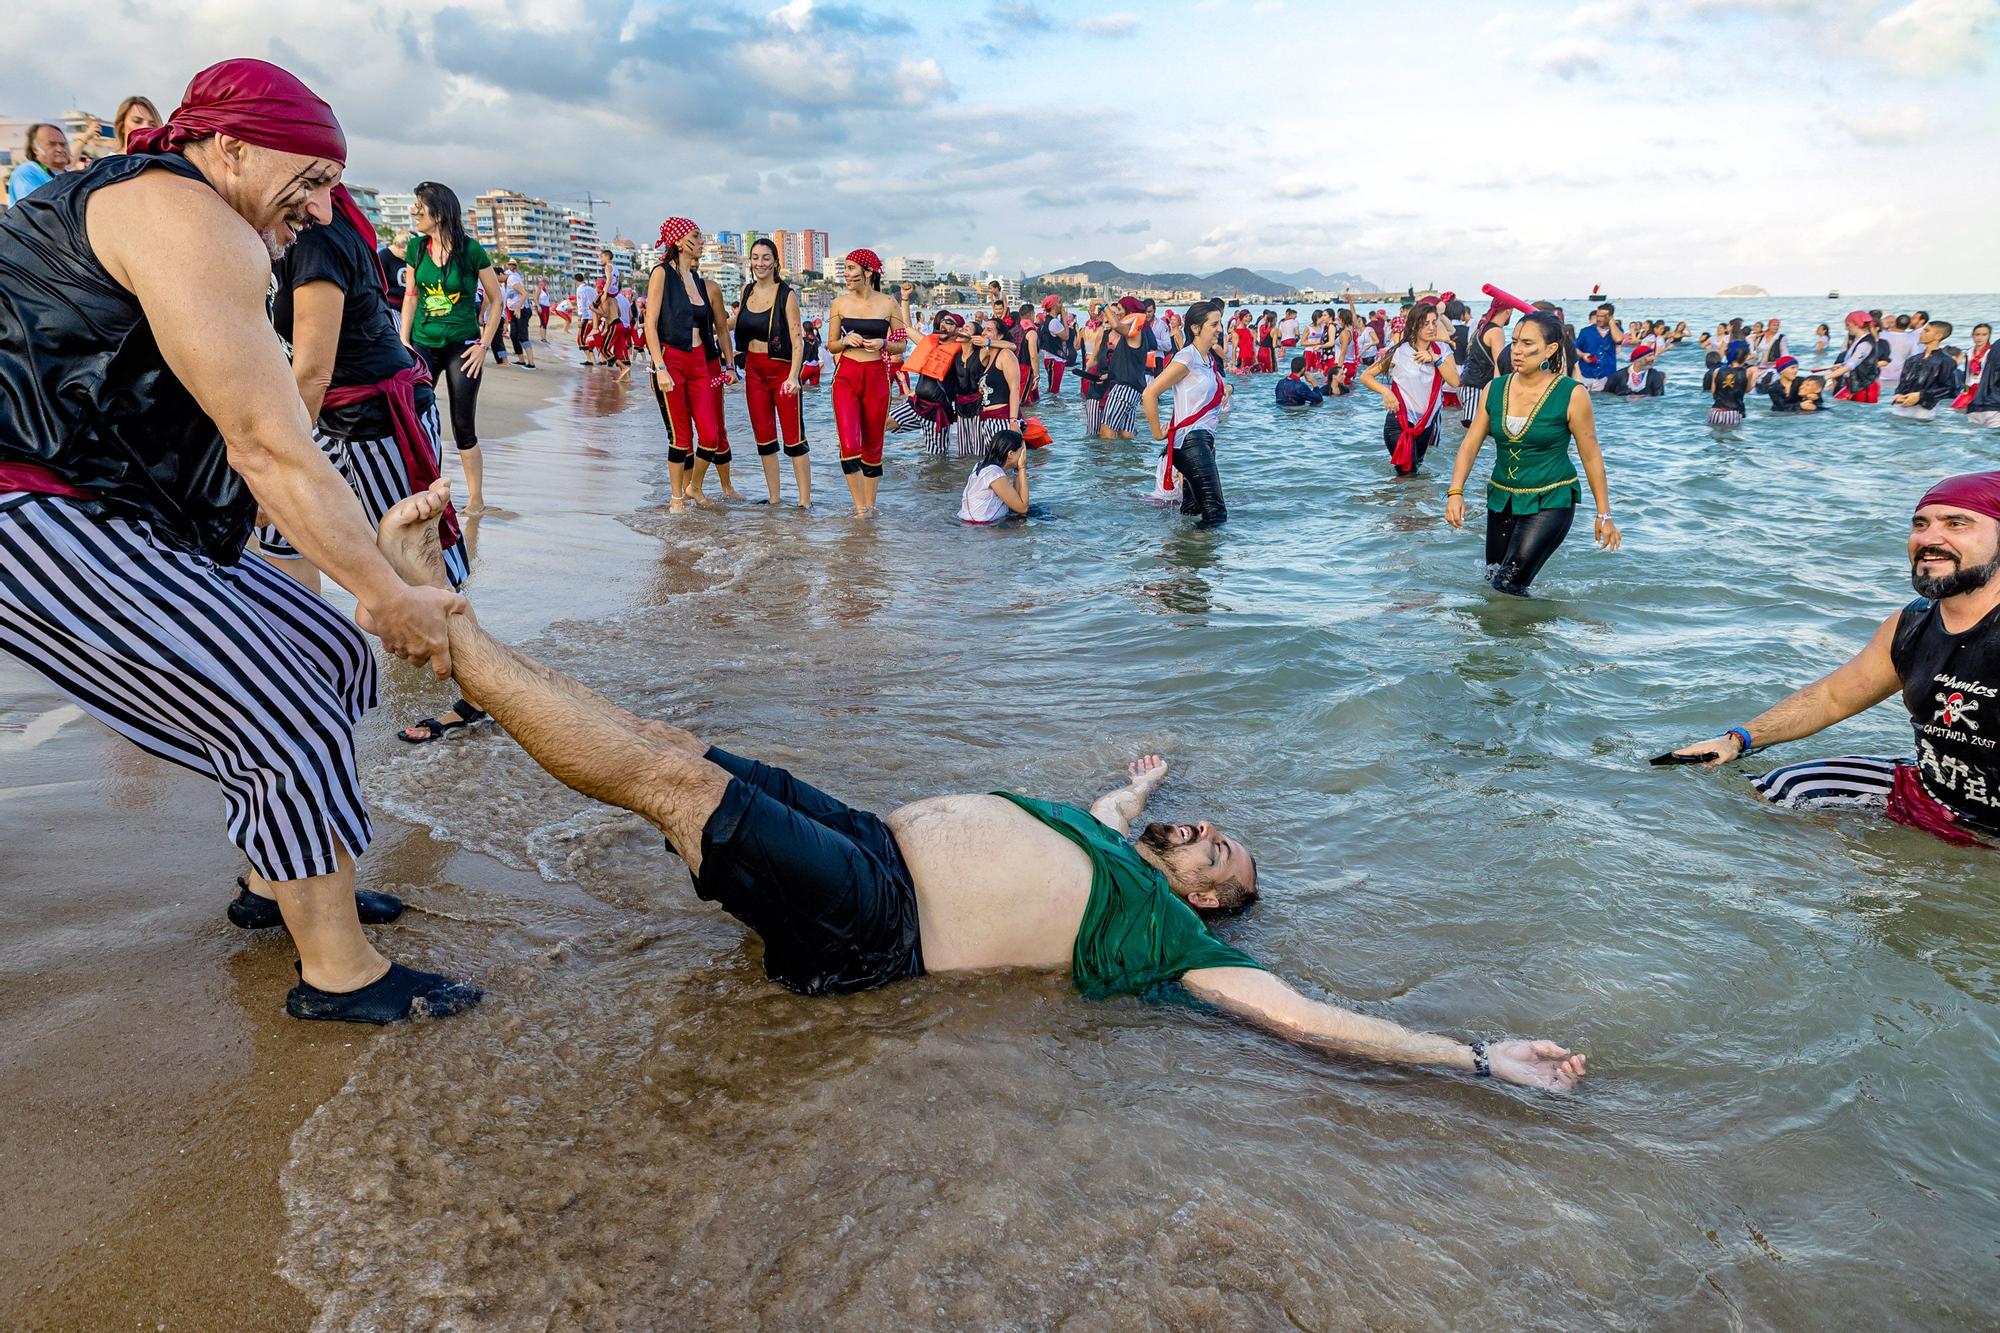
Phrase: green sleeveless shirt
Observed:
(1532, 471)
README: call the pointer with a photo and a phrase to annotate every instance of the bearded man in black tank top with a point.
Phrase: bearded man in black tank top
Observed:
(146, 414)
(1942, 654)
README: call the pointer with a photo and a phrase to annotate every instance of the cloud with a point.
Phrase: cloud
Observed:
(1109, 25)
(1139, 227)
(921, 82)
(1022, 16)
(1890, 125)
(1298, 187)
(1573, 58)
(1929, 37)
(1151, 250)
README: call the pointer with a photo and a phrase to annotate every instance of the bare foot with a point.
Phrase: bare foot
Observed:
(408, 537)
(674, 506)
(728, 494)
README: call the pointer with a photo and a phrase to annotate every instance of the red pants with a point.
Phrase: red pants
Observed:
(621, 342)
(1314, 361)
(693, 408)
(544, 312)
(1055, 378)
(1267, 360)
(771, 408)
(1871, 394)
(861, 413)
(809, 373)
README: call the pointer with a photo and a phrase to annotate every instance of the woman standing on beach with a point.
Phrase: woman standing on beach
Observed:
(770, 340)
(1417, 369)
(861, 333)
(447, 266)
(686, 322)
(1532, 495)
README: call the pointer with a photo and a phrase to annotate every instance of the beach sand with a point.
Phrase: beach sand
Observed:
(151, 1079)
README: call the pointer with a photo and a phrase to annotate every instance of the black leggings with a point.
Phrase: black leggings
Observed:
(447, 366)
(1518, 545)
(1428, 436)
(1201, 484)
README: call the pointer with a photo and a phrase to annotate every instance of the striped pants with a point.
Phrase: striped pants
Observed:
(235, 672)
(1854, 780)
(379, 478)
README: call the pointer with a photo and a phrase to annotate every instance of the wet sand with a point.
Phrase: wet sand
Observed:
(150, 1080)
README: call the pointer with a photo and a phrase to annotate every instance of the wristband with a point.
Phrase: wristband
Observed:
(1481, 1067)
(1742, 734)
(1456, 490)
(1603, 514)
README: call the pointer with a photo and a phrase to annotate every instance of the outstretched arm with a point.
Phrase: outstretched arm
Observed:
(1116, 810)
(1259, 998)
(1854, 687)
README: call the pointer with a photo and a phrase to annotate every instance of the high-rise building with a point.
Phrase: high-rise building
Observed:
(369, 200)
(585, 251)
(816, 249)
(396, 211)
(734, 238)
(724, 264)
(905, 268)
(526, 230)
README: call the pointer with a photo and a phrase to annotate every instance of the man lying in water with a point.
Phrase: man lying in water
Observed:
(845, 901)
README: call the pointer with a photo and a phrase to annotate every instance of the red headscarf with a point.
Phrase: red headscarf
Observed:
(868, 259)
(1976, 491)
(251, 100)
(675, 230)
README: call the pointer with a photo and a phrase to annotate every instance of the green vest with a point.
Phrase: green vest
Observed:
(1532, 471)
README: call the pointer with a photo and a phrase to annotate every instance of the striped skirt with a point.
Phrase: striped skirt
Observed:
(1855, 781)
(1724, 417)
(375, 471)
(1121, 408)
(235, 672)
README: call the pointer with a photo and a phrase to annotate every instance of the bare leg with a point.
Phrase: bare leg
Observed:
(802, 473)
(722, 475)
(697, 471)
(475, 478)
(301, 571)
(333, 953)
(770, 462)
(584, 741)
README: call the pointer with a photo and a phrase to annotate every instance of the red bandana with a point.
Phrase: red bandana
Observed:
(866, 258)
(675, 230)
(251, 100)
(1976, 491)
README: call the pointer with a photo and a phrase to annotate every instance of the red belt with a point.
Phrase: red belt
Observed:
(399, 391)
(38, 480)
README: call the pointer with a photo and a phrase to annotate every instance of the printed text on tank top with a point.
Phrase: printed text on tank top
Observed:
(1951, 687)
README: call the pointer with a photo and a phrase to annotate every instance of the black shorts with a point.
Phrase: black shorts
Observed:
(823, 885)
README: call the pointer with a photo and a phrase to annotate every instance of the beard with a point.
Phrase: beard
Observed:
(1159, 837)
(273, 246)
(1960, 580)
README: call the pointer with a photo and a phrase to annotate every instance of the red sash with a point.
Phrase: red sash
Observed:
(1407, 431)
(1174, 431)
(400, 392)
(1975, 363)
(1911, 805)
(37, 480)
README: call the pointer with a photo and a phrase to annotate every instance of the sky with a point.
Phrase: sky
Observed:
(1655, 147)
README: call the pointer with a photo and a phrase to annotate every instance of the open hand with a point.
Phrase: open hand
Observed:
(1147, 772)
(1608, 535)
(1535, 1064)
(1720, 750)
(473, 360)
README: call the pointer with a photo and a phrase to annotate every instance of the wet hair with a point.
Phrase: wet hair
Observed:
(1553, 332)
(125, 113)
(441, 202)
(1197, 314)
(34, 130)
(1924, 315)
(1149, 305)
(1712, 360)
(1298, 365)
(1902, 323)
(1942, 324)
(1345, 317)
(1003, 444)
(1822, 329)
(1413, 325)
(1456, 310)
(1027, 310)
(1606, 307)
(1977, 327)
(777, 260)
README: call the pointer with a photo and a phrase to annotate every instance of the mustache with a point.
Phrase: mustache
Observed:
(1928, 552)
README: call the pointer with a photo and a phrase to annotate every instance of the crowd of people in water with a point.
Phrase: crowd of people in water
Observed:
(158, 406)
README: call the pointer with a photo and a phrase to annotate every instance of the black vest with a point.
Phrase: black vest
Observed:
(778, 343)
(1951, 685)
(675, 323)
(84, 391)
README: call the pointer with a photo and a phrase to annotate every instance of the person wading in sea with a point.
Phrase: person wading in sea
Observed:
(845, 900)
(1942, 652)
(146, 414)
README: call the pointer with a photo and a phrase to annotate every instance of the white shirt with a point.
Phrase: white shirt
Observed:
(1901, 344)
(980, 504)
(1288, 328)
(516, 293)
(586, 297)
(1414, 379)
(1200, 384)
(624, 308)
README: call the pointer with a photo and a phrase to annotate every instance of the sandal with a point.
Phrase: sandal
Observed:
(467, 715)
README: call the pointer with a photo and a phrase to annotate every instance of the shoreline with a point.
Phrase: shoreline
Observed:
(153, 1079)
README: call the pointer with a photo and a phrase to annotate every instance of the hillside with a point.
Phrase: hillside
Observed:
(1227, 282)
(1315, 280)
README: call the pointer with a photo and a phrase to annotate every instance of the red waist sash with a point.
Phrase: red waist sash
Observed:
(399, 391)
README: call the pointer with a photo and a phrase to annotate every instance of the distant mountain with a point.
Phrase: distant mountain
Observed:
(1745, 290)
(1228, 282)
(1314, 280)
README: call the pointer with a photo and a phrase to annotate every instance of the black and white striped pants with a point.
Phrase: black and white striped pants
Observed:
(379, 478)
(236, 672)
(1121, 409)
(1852, 780)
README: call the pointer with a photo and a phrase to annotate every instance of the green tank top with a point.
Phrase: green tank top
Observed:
(1136, 934)
(1533, 470)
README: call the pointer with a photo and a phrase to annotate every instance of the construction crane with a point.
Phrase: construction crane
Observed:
(589, 201)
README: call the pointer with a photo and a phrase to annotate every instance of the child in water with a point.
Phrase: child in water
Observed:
(991, 494)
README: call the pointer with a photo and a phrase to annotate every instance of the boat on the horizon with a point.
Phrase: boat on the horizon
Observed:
(1833, 296)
